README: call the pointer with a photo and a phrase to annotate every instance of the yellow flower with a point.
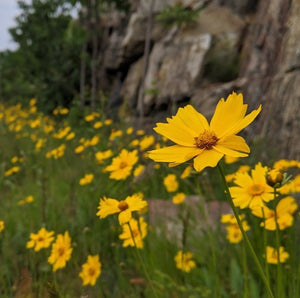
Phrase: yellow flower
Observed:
(170, 182)
(208, 143)
(114, 134)
(146, 142)
(251, 190)
(241, 169)
(272, 255)
(186, 172)
(42, 239)
(11, 171)
(87, 179)
(234, 234)
(129, 130)
(97, 124)
(79, 149)
(179, 198)
(101, 155)
(108, 122)
(61, 251)
(229, 159)
(284, 210)
(108, 206)
(138, 231)
(274, 177)
(122, 165)
(139, 170)
(70, 136)
(27, 200)
(134, 143)
(90, 270)
(184, 261)
(292, 186)
(1, 225)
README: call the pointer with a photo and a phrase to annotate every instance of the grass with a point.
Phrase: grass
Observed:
(222, 269)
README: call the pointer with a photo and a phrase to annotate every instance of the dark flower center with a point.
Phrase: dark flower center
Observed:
(123, 206)
(206, 140)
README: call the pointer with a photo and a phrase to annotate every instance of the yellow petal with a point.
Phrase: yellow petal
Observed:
(235, 143)
(227, 114)
(174, 154)
(243, 180)
(207, 158)
(124, 216)
(287, 205)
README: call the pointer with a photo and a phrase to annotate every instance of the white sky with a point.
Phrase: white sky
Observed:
(8, 11)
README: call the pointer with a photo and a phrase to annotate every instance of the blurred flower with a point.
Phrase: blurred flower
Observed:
(90, 270)
(170, 182)
(134, 233)
(251, 190)
(184, 261)
(101, 155)
(61, 251)
(27, 200)
(230, 159)
(284, 211)
(108, 122)
(178, 198)
(114, 134)
(2, 225)
(129, 130)
(272, 255)
(146, 142)
(122, 165)
(208, 143)
(87, 179)
(98, 124)
(292, 186)
(138, 170)
(42, 239)
(241, 169)
(108, 206)
(11, 171)
(79, 149)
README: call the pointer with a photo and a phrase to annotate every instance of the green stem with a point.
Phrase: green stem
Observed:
(245, 271)
(142, 261)
(265, 245)
(249, 245)
(279, 274)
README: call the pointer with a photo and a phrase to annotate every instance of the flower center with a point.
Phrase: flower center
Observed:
(61, 251)
(256, 189)
(123, 206)
(92, 271)
(40, 239)
(123, 165)
(206, 140)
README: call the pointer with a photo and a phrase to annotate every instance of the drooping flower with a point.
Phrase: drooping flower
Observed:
(178, 198)
(251, 190)
(90, 270)
(42, 239)
(122, 165)
(108, 206)
(207, 142)
(284, 212)
(272, 255)
(184, 261)
(61, 251)
(171, 183)
(134, 233)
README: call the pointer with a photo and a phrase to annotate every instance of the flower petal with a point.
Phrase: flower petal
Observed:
(207, 158)
(235, 143)
(174, 154)
(107, 207)
(124, 216)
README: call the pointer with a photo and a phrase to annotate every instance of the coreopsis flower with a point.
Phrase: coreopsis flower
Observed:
(134, 233)
(146, 142)
(234, 234)
(114, 134)
(207, 142)
(2, 225)
(122, 165)
(178, 198)
(11, 171)
(42, 239)
(61, 251)
(108, 206)
(27, 200)
(79, 149)
(184, 261)
(251, 190)
(87, 179)
(284, 212)
(90, 270)
(102, 155)
(138, 170)
(171, 183)
(272, 255)
(292, 186)
(97, 124)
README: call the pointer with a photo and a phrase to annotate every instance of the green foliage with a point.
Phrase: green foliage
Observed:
(178, 14)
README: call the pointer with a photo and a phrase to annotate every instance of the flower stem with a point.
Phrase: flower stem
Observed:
(245, 237)
(245, 277)
(279, 277)
(142, 261)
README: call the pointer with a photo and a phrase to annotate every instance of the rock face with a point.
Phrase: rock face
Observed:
(249, 46)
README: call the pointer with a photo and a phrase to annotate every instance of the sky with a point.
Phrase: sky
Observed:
(8, 11)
